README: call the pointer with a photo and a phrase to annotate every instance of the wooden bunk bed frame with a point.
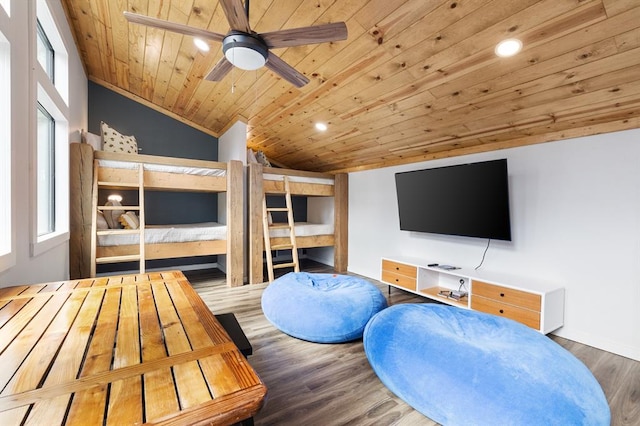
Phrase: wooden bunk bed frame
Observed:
(82, 158)
(258, 187)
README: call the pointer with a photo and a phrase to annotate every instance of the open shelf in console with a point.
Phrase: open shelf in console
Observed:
(434, 293)
(432, 280)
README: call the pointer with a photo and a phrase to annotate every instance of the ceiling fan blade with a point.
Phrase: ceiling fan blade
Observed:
(236, 15)
(172, 26)
(286, 71)
(306, 35)
(220, 69)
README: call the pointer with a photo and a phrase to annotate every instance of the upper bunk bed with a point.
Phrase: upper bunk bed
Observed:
(92, 171)
(331, 233)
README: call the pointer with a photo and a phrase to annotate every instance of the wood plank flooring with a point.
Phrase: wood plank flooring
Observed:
(315, 384)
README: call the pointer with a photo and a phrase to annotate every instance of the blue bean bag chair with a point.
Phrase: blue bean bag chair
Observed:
(461, 367)
(322, 308)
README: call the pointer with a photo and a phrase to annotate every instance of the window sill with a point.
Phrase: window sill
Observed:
(48, 242)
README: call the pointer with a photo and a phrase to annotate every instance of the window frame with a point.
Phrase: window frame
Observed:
(5, 5)
(49, 67)
(7, 214)
(51, 172)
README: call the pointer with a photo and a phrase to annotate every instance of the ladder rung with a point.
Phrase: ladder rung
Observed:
(282, 247)
(277, 209)
(284, 265)
(119, 232)
(118, 207)
(280, 226)
(115, 259)
(120, 184)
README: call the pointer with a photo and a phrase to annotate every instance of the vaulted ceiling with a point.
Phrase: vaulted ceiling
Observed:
(415, 79)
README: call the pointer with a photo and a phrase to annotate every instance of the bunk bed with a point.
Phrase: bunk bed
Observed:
(263, 181)
(91, 169)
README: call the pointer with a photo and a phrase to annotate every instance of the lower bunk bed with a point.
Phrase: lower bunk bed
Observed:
(167, 241)
(329, 229)
(91, 244)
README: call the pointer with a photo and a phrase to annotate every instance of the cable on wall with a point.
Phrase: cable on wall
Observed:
(484, 254)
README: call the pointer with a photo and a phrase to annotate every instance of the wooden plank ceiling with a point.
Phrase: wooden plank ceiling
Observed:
(415, 80)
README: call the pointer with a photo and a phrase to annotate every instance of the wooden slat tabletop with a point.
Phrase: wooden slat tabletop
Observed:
(129, 349)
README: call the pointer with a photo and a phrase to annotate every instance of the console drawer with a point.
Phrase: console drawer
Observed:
(491, 306)
(399, 274)
(399, 268)
(508, 296)
(399, 280)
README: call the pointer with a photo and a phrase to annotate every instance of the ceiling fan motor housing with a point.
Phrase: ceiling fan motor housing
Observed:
(245, 51)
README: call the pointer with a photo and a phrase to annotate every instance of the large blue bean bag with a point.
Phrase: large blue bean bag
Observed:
(461, 367)
(322, 308)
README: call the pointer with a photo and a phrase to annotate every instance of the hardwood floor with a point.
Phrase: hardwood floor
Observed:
(316, 384)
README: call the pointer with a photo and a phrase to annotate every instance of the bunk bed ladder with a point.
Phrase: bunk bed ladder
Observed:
(139, 185)
(266, 226)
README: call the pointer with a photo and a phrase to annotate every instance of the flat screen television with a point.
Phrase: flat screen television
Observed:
(469, 200)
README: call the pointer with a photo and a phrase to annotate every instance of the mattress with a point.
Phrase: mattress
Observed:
(304, 229)
(163, 168)
(153, 234)
(302, 179)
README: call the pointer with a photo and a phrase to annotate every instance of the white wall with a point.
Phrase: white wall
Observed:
(232, 145)
(575, 213)
(321, 210)
(53, 264)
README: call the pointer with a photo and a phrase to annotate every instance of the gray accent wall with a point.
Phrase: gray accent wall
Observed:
(156, 133)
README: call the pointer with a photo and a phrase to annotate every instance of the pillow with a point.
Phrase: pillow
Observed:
(129, 220)
(92, 139)
(101, 222)
(113, 141)
(262, 159)
(112, 216)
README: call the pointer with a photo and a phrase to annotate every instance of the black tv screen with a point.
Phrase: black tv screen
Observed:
(469, 200)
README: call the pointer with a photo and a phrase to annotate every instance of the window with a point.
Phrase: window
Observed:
(7, 255)
(45, 52)
(46, 172)
(50, 121)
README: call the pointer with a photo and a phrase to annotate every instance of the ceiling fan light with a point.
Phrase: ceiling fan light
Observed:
(508, 47)
(245, 51)
(245, 58)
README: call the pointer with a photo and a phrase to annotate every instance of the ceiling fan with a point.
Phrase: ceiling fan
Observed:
(246, 49)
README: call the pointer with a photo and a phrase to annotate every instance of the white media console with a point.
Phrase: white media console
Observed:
(537, 305)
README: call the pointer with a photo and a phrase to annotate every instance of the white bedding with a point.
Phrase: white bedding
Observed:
(304, 179)
(304, 229)
(170, 234)
(163, 168)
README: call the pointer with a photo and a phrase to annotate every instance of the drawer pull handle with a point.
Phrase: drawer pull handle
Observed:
(501, 294)
(397, 268)
(396, 280)
(502, 311)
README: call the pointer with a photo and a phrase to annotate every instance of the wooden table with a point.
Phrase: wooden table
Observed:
(121, 350)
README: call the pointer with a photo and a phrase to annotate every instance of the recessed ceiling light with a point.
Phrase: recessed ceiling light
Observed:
(201, 44)
(321, 126)
(508, 47)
